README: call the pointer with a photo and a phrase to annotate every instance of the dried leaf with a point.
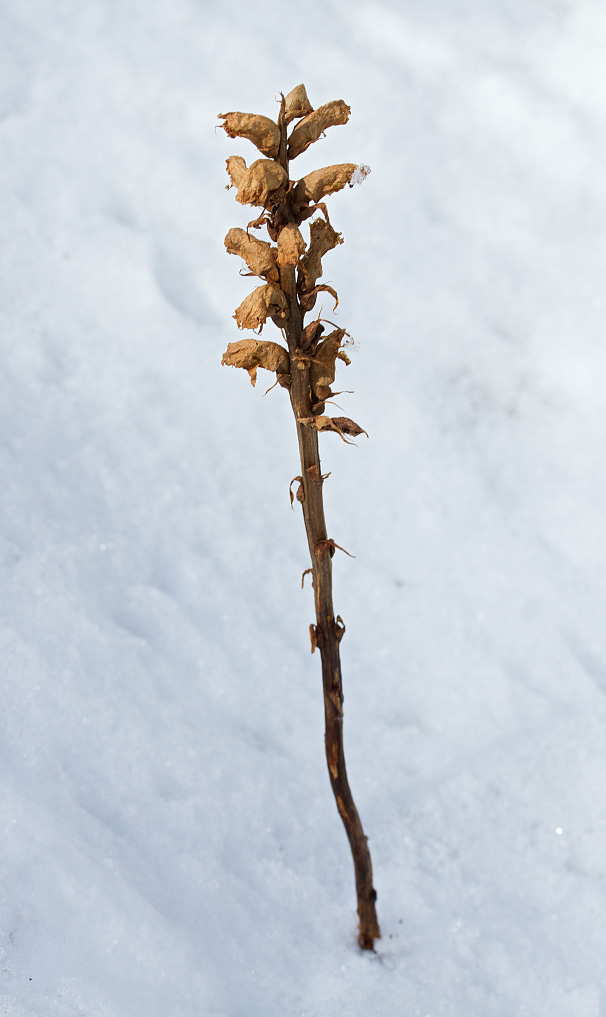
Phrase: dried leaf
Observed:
(291, 245)
(318, 184)
(256, 183)
(264, 302)
(322, 239)
(297, 104)
(314, 124)
(258, 254)
(262, 131)
(254, 353)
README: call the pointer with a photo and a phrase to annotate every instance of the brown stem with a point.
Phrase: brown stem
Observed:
(328, 629)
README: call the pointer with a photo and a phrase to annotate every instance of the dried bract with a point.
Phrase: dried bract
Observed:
(258, 254)
(318, 184)
(291, 245)
(312, 126)
(340, 425)
(347, 426)
(297, 104)
(265, 302)
(262, 131)
(322, 239)
(254, 353)
(256, 183)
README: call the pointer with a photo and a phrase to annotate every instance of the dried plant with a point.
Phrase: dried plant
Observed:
(289, 268)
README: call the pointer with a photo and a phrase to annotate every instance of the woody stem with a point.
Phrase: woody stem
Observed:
(328, 630)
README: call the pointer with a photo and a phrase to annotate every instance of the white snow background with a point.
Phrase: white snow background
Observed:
(170, 843)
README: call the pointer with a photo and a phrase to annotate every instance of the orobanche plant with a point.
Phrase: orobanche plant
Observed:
(290, 268)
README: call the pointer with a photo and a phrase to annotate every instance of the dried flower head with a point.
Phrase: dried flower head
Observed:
(262, 131)
(314, 124)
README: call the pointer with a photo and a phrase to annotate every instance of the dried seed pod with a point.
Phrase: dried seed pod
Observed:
(259, 181)
(258, 254)
(297, 104)
(323, 366)
(236, 168)
(263, 303)
(322, 239)
(312, 126)
(291, 245)
(318, 184)
(262, 131)
(254, 353)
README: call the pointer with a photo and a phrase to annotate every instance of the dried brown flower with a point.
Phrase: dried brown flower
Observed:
(256, 183)
(318, 184)
(236, 168)
(258, 254)
(297, 104)
(264, 302)
(291, 245)
(323, 365)
(322, 239)
(262, 131)
(314, 124)
(254, 353)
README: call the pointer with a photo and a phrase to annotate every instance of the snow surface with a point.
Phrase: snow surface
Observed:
(171, 847)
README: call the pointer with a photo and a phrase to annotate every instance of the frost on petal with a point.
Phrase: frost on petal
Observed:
(291, 245)
(314, 124)
(322, 239)
(254, 353)
(359, 176)
(258, 254)
(236, 168)
(263, 303)
(318, 184)
(262, 131)
(297, 104)
(259, 181)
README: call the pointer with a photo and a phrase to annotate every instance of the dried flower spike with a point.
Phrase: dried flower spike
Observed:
(307, 369)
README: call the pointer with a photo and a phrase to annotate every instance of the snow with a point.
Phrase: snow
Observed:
(171, 847)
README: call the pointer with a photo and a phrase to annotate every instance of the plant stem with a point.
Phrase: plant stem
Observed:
(328, 630)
